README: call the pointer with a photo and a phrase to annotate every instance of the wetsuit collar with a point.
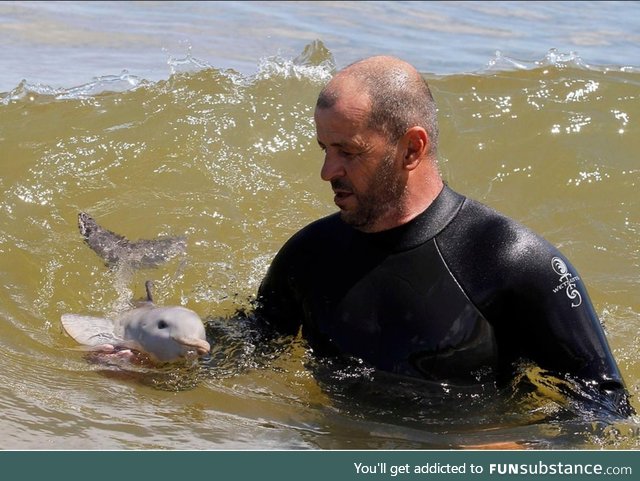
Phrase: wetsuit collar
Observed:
(423, 227)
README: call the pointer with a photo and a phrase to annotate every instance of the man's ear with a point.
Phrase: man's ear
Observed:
(416, 143)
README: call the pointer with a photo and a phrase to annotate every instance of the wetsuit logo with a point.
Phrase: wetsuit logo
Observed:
(567, 282)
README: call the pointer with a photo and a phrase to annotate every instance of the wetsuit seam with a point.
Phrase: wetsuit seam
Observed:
(455, 279)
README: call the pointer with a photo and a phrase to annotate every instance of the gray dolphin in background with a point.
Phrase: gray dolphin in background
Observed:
(164, 334)
(117, 250)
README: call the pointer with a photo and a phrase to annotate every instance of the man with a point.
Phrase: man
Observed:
(414, 278)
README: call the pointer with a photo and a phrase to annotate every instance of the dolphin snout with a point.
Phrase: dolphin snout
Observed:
(201, 346)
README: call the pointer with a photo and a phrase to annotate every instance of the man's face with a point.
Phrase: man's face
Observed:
(360, 164)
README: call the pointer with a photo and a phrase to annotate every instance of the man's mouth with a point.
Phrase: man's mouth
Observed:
(341, 196)
(342, 192)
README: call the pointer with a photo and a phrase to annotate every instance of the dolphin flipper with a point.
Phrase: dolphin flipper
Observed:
(89, 330)
(117, 250)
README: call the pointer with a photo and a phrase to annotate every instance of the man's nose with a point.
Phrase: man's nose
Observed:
(332, 168)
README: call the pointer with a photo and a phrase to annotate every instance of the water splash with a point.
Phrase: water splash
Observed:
(28, 92)
(315, 63)
(553, 58)
(186, 64)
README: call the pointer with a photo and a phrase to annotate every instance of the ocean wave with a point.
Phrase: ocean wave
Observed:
(553, 58)
(104, 84)
(315, 63)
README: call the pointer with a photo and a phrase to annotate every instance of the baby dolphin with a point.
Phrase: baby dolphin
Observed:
(164, 334)
(116, 249)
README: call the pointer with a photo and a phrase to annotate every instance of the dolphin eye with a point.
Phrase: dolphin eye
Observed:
(162, 324)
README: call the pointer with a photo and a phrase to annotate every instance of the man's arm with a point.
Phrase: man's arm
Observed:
(561, 331)
(534, 298)
(278, 304)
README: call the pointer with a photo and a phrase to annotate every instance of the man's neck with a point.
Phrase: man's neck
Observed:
(411, 206)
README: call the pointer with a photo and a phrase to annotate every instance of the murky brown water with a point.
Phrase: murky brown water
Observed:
(230, 161)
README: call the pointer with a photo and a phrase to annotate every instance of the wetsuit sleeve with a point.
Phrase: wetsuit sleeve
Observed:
(560, 331)
(556, 326)
(278, 307)
(533, 297)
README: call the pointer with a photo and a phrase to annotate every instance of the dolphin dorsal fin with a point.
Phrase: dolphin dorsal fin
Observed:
(148, 286)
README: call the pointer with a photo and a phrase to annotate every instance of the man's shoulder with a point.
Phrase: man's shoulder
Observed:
(484, 246)
(500, 263)
(481, 226)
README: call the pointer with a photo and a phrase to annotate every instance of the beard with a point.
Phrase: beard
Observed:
(382, 196)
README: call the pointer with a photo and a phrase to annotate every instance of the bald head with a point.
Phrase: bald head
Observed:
(395, 93)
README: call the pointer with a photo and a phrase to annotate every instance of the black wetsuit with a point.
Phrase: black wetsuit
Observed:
(457, 295)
